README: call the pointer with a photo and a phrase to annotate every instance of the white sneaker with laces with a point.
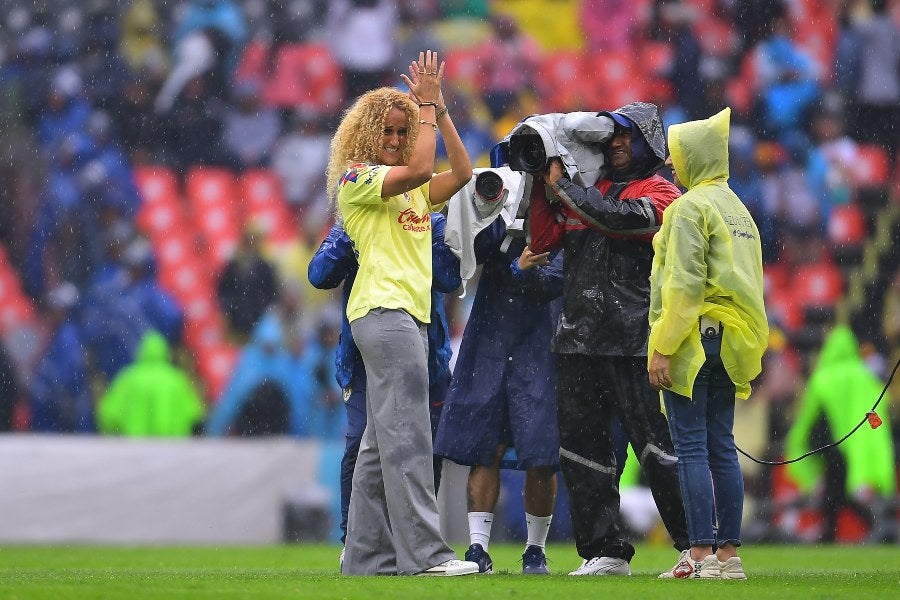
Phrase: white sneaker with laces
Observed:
(732, 568)
(603, 565)
(688, 568)
(451, 568)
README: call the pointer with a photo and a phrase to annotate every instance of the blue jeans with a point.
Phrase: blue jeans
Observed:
(712, 485)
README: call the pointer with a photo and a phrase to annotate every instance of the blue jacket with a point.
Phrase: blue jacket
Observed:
(335, 262)
(264, 358)
(512, 320)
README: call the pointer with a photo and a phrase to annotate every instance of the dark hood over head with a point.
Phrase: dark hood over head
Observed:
(649, 125)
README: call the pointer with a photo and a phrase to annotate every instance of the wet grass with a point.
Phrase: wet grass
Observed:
(310, 571)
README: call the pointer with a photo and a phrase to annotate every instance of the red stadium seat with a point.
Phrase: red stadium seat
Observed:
(614, 79)
(204, 332)
(252, 66)
(817, 284)
(213, 198)
(265, 206)
(306, 77)
(873, 166)
(776, 276)
(563, 81)
(215, 365)
(847, 225)
(783, 308)
(463, 68)
(716, 36)
(156, 184)
(657, 57)
(16, 309)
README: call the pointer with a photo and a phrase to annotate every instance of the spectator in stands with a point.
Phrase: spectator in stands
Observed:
(353, 25)
(164, 314)
(142, 131)
(108, 176)
(34, 62)
(676, 20)
(140, 45)
(476, 135)
(9, 390)
(250, 129)
(786, 194)
(260, 397)
(300, 158)
(65, 111)
(100, 64)
(860, 473)
(753, 20)
(831, 166)
(787, 82)
(195, 119)
(119, 310)
(745, 180)
(194, 58)
(151, 397)
(59, 393)
(327, 418)
(221, 20)
(417, 27)
(60, 247)
(609, 25)
(298, 21)
(877, 96)
(247, 286)
(510, 61)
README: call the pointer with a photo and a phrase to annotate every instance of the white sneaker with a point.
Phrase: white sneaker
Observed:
(688, 568)
(451, 568)
(732, 568)
(603, 565)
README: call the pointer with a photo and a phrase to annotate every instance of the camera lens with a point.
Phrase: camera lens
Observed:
(526, 153)
(489, 186)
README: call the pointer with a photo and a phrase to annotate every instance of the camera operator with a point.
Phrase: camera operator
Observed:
(600, 341)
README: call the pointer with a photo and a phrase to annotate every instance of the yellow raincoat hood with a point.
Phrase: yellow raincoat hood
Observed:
(707, 261)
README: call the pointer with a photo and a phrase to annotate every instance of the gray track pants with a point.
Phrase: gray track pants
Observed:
(393, 525)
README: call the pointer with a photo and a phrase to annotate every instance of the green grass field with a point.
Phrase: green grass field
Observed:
(310, 571)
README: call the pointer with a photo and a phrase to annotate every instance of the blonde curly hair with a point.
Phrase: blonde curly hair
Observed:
(358, 137)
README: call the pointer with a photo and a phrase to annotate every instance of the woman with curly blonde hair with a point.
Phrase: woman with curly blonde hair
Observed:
(382, 181)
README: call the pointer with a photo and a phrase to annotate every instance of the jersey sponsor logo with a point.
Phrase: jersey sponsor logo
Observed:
(411, 221)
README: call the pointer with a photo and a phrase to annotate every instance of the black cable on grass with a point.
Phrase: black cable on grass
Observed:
(870, 417)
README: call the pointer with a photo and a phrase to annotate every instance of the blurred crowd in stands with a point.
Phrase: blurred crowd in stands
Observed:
(162, 182)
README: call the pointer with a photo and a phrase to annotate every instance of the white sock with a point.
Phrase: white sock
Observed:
(480, 528)
(538, 527)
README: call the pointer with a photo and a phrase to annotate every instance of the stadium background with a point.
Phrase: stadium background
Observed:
(151, 137)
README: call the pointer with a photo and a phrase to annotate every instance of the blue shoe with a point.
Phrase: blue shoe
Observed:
(476, 554)
(534, 562)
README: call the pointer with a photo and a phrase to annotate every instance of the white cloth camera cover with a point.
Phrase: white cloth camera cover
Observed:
(468, 214)
(577, 138)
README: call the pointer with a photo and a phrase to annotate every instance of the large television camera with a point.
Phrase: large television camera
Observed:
(577, 139)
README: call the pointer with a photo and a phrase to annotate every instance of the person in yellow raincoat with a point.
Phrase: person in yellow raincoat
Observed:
(708, 332)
